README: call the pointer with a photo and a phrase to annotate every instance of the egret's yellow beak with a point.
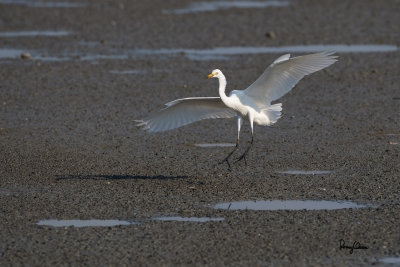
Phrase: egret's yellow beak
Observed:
(212, 75)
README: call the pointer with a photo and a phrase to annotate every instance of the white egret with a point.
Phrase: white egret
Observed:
(252, 104)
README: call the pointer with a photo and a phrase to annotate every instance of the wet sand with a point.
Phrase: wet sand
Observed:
(70, 150)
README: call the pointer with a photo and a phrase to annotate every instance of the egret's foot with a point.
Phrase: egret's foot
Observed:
(229, 155)
(243, 157)
(227, 162)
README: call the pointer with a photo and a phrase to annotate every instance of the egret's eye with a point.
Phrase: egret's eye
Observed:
(215, 73)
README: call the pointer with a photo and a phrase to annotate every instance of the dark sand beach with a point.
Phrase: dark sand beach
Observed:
(70, 150)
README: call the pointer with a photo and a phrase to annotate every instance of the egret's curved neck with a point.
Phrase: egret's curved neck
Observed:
(222, 86)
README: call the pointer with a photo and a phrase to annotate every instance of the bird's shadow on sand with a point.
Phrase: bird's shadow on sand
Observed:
(118, 177)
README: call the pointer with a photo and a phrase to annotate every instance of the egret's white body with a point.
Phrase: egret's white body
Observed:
(253, 103)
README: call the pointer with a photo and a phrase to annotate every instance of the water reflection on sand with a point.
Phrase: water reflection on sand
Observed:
(217, 53)
(33, 3)
(269, 205)
(111, 223)
(13, 34)
(218, 5)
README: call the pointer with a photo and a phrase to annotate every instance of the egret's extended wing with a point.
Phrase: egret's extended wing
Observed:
(181, 112)
(282, 75)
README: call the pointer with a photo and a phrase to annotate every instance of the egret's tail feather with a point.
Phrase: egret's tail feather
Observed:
(273, 112)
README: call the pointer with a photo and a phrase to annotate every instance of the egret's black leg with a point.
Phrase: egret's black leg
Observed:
(243, 156)
(240, 122)
(251, 120)
(230, 154)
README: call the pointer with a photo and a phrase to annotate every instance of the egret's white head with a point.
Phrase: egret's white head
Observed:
(215, 74)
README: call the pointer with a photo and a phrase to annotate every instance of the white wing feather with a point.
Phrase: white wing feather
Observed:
(181, 112)
(282, 75)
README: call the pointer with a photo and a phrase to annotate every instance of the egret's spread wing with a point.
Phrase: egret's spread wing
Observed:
(282, 75)
(184, 111)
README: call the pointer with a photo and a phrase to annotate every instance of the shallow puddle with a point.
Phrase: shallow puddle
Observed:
(10, 53)
(187, 219)
(50, 58)
(95, 57)
(111, 223)
(289, 205)
(218, 5)
(393, 261)
(215, 145)
(35, 3)
(218, 53)
(242, 50)
(34, 33)
(84, 223)
(313, 172)
(196, 57)
(221, 53)
(127, 71)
